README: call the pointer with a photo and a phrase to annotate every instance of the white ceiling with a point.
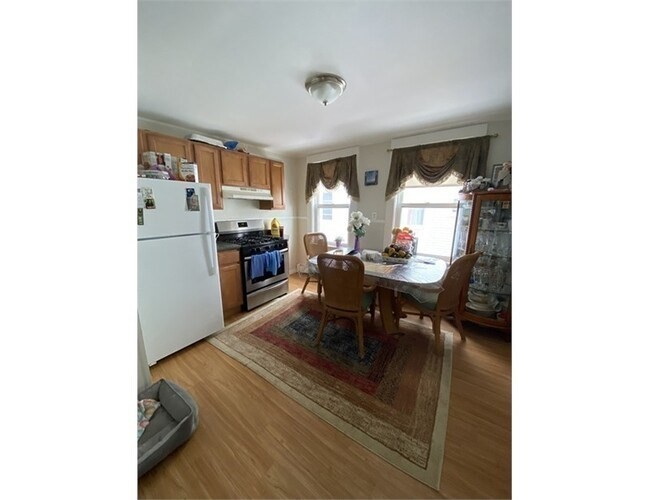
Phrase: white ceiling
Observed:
(237, 70)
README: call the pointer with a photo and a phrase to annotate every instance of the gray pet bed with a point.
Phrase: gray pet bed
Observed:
(172, 424)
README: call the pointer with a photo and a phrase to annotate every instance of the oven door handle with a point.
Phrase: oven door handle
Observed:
(284, 250)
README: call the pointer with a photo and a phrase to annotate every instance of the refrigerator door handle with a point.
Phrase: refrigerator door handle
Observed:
(206, 199)
(213, 254)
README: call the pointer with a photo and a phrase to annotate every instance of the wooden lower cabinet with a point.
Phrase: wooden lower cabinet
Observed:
(232, 297)
(208, 161)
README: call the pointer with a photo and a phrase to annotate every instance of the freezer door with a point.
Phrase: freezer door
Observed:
(179, 295)
(171, 215)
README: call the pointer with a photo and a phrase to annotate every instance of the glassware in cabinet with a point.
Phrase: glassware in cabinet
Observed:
(487, 298)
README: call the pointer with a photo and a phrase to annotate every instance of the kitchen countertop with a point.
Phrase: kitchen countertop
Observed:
(222, 246)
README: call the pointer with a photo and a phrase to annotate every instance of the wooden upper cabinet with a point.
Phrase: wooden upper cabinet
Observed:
(258, 172)
(160, 143)
(220, 167)
(277, 187)
(234, 168)
(209, 163)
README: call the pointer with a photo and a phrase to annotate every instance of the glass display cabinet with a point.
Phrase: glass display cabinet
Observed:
(484, 223)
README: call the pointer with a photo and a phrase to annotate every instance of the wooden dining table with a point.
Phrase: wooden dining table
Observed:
(420, 276)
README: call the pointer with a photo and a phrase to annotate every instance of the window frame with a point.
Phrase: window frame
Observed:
(400, 205)
(316, 205)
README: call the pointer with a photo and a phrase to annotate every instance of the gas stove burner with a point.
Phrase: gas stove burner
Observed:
(256, 240)
(254, 244)
(250, 240)
(250, 236)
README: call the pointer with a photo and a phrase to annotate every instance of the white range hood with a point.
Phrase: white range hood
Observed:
(246, 193)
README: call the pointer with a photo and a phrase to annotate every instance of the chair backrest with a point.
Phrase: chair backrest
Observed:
(315, 243)
(456, 277)
(342, 277)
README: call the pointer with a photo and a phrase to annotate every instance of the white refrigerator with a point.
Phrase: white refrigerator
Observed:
(179, 292)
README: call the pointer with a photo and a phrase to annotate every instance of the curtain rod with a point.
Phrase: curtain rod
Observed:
(489, 135)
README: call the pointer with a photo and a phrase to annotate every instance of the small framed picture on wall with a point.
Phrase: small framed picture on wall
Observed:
(372, 177)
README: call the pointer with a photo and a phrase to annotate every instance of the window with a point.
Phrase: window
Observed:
(331, 211)
(430, 211)
(415, 217)
(327, 200)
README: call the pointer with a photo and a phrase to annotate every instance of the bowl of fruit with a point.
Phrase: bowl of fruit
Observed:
(396, 254)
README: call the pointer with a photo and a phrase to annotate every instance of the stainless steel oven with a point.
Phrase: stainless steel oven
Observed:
(254, 243)
(261, 289)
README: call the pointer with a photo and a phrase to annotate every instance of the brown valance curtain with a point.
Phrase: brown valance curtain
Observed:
(330, 173)
(433, 163)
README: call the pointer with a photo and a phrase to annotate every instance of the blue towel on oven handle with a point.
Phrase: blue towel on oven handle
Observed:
(280, 259)
(272, 262)
(258, 264)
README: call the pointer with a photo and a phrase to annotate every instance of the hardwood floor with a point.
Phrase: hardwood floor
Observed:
(254, 442)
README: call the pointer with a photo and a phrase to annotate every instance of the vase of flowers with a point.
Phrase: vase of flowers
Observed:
(358, 224)
(357, 244)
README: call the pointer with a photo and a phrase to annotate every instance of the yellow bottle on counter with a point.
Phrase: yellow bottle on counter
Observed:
(275, 228)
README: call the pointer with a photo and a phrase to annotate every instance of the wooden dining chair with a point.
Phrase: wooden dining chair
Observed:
(315, 244)
(447, 301)
(345, 294)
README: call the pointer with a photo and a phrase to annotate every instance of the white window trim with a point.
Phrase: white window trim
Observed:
(331, 155)
(397, 203)
(392, 206)
(398, 214)
(314, 211)
(420, 205)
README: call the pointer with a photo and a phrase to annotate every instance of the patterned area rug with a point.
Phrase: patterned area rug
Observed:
(394, 401)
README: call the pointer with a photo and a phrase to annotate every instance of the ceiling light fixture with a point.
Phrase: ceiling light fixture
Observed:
(325, 87)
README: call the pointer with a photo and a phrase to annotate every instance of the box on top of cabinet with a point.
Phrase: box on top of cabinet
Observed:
(188, 172)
